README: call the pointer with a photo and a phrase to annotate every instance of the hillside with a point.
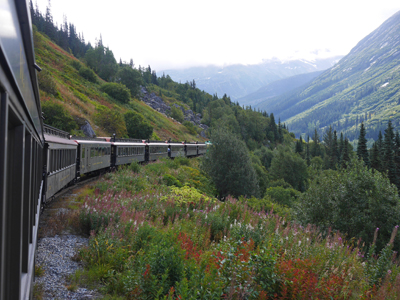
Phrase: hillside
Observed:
(363, 86)
(62, 83)
(277, 88)
(240, 80)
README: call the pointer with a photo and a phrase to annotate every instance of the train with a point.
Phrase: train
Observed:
(68, 158)
(37, 161)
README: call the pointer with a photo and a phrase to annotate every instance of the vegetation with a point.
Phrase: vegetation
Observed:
(229, 165)
(137, 126)
(116, 90)
(150, 241)
(57, 116)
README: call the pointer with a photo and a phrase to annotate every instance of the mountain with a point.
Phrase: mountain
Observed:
(363, 86)
(239, 80)
(277, 88)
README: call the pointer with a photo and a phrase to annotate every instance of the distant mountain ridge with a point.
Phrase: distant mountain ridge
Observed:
(277, 88)
(240, 80)
(363, 86)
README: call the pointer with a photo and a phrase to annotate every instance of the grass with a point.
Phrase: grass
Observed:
(38, 291)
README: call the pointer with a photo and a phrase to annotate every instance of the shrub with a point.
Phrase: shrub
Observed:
(47, 83)
(111, 120)
(355, 201)
(171, 180)
(57, 116)
(88, 74)
(191, 127)
(282, 196)
(186, 195)
(177, 114)
(290, 167)
(117, 91)
(137, 126)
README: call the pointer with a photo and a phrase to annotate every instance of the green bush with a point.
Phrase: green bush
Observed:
(88, 74)
(191, 127)
(185, 195)
(137, 126)
(171, 180)
(177, 114)
(135, 167)
(76, 64)
(57, 116)
(117, 91)
(282, 196)
(111, 120)
(355, 201)
(47, 83)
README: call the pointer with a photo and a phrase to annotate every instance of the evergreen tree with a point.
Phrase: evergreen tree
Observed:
(334, 152)
(345, 155)
(315, 147)
(272, 132)
(376, 162)
(362, 151)
(388, 157)
(328, 140)
(341, 147)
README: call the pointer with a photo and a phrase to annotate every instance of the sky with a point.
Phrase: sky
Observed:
(173, 34)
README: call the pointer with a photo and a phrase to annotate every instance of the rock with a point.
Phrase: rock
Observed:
(88, 130)
(159, 105)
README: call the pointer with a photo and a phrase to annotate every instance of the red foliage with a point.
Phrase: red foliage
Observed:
(301, 282)
(189, 247)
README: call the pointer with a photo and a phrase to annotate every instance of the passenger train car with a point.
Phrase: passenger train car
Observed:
(36, 160)
(21, 149)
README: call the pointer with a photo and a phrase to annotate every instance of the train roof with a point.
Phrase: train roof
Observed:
(157, 144)
(128, 144)
(88, 142)
(59, 140)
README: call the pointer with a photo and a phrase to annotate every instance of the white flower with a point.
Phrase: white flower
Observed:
(299, 243)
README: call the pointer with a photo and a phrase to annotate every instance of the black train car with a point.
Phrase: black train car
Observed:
(60, 159)
(127, 151)
(94, 154)
(190, 149)
(21, 148)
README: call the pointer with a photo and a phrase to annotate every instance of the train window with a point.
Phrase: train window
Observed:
(83, 153)
(91, 152)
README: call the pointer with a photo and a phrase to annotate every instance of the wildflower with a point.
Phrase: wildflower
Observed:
(389, 271)
(299, 243)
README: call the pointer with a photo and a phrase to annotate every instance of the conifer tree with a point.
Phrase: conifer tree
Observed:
(341, 147)
(375, 158)
(315, 149)
(272, 130)
(345, 155)
(362, 151)
(388, 157)
(280, 134)
(335, 153)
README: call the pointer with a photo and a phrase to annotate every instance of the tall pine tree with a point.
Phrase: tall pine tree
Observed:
(362, 151)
